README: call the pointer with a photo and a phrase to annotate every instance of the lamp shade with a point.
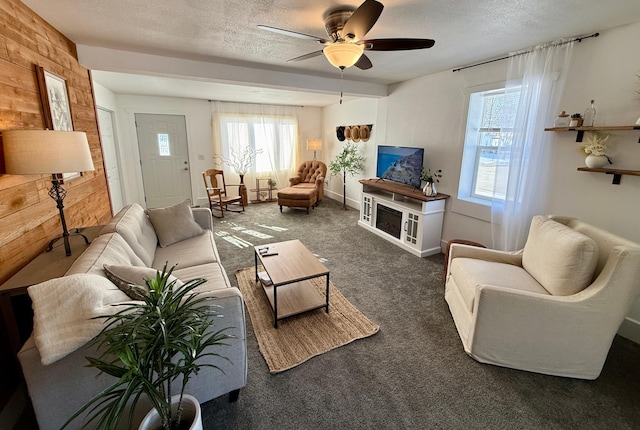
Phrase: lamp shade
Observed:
(31, 152)
(343, 54)
(314, 145)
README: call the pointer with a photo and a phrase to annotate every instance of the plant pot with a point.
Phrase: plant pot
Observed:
(190, 414)
(596, 161)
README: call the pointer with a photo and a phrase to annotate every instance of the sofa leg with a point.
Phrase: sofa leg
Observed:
(280, 208)
(233, 396)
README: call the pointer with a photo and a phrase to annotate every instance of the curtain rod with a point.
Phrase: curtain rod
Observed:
(253, 103)
(575, 39)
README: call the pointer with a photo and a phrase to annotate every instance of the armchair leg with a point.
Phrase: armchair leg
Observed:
(233, 396)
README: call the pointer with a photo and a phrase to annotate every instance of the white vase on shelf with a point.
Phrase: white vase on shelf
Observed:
(596, 161)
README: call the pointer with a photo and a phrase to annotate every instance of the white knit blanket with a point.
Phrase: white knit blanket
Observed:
(63, 309)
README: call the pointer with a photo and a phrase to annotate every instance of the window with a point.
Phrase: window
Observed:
(273, 138)
(164, 150)
(488, 137)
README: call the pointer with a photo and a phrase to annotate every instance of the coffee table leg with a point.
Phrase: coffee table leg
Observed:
(327, 293)
(255, 260)
(275, 307)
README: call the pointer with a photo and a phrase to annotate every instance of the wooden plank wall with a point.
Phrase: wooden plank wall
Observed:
(29, 218)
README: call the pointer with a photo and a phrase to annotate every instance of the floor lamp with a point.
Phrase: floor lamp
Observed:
(32, 152)
(314, 145)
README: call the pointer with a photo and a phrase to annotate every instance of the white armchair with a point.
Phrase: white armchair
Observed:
(553, 307)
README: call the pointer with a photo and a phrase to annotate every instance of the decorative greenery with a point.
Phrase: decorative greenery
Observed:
(595, 144)
(429, 176)
(271, 182)
(576, 115)
(349, 161)
(148, 346)
(241, 162)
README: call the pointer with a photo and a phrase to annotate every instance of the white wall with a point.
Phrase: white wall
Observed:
(198, 120)
(355, 112)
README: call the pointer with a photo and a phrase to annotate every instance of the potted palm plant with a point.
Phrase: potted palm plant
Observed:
(150, 345)
(349, 161)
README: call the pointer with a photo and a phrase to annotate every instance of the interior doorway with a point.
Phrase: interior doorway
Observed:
(106, 126)
(164, 158)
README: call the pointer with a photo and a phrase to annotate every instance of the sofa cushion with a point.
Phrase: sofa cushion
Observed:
(64, 311)
(132, 279)
(105, 249)
(132, 223)
(560, 258)
(174, 223)
(213, 272)
(469, 273)
(186, 253)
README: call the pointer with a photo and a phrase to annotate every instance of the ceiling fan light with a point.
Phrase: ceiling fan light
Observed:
(343, 54)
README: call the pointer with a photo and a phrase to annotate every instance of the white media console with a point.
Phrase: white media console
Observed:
(403, 215)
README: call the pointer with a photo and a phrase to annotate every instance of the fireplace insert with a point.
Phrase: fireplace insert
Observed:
(389, 220)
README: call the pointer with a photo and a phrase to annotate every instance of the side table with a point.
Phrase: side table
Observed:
(48, 265)
(258, 189)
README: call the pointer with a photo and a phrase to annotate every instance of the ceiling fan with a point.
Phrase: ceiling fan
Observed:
(346, 28)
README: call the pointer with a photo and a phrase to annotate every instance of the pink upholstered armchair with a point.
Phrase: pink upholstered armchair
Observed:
(310, 174)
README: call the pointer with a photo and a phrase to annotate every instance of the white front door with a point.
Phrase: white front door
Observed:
(164, 158)
(110, 154)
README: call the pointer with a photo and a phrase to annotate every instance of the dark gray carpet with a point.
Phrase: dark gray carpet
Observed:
(414, 372)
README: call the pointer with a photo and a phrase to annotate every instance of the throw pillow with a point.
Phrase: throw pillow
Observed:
(561, 259)
(174, 223)
(131, 279)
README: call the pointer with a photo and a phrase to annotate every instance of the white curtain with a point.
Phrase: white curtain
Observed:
(268, 131)
(538, 75)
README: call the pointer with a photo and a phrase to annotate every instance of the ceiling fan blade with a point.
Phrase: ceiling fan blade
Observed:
(294, 34)
(306, 56)
(400, 44)
(362, 20)
(364, 63)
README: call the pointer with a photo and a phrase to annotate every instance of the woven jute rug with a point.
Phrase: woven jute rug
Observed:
(301, 337)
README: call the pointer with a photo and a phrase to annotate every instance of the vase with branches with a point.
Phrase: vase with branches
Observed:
(349, 161)
(241, 161)
(149, 346)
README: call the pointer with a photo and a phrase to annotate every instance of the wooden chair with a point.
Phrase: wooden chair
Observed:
(217, 192)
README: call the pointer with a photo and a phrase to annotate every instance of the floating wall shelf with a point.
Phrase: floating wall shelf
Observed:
(617, 173)
(581, 130)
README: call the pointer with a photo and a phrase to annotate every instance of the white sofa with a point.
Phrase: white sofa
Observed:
(552, 308)
(59, 389)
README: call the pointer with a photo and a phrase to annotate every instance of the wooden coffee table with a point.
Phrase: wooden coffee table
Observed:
(290, 271)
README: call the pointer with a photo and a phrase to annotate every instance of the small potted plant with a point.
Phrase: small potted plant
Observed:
(271, 182)
(150, 345)
(576, 120)
(430, 178)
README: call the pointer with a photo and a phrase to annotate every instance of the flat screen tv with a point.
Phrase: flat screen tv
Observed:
(400, 164)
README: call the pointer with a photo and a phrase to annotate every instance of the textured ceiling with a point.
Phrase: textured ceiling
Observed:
(225, 31)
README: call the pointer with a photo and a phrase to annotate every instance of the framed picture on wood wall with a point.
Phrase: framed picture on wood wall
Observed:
(55, 106)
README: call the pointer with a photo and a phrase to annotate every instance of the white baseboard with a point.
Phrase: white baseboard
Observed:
(630, 329)
(335, 196)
